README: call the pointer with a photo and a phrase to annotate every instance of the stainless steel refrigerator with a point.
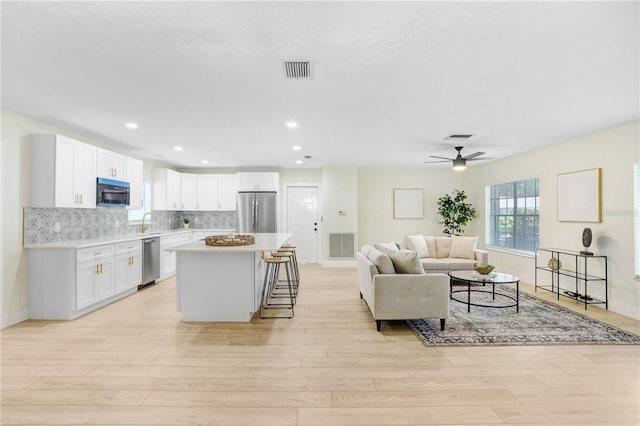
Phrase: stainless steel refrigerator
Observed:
(256, 212)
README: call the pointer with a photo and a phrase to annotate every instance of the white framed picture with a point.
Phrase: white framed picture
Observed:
(580, 196)
(408, 203)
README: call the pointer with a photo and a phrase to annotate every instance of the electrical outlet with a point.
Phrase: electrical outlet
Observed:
(57, 227)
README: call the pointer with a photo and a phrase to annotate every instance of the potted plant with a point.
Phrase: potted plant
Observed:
(455, 212)
(186, 221)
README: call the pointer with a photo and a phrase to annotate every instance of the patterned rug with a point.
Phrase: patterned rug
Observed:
(538, 323)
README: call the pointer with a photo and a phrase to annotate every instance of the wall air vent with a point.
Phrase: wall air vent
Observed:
(342, 246)
(458, 136)
(297, 70)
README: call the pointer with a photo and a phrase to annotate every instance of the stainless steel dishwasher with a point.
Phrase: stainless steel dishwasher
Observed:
(150, 261)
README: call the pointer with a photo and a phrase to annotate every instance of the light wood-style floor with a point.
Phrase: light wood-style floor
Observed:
(135, 363)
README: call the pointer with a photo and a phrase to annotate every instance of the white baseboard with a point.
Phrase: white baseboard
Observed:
(14, 318)
(339, 263)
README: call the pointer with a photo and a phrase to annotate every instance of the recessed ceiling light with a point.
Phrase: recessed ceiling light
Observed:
(298, 161)
(297, 148)
(292, 124)
(177, 148)
(131, 126)
(205, 161)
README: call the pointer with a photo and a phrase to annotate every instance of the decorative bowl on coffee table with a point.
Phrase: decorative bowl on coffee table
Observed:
(483, 268)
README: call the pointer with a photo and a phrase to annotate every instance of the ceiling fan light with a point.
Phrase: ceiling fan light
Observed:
(459, 164)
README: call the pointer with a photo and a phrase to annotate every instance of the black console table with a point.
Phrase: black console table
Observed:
(574, 265)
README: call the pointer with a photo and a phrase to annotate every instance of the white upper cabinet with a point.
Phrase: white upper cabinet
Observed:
(112, 165)
(63, 172)
(207, 190)
(167, 190)
(258, 181)
(135, 178)
(217, 192)
(227, 191)
(188, 192)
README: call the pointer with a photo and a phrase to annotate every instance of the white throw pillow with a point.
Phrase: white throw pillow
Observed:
(407, 262)
(416, 243)
(391, 246)
(463, 247)
(382, 261)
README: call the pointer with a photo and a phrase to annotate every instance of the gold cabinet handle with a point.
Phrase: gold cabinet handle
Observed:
(101, 268)
(76, 198)
(80, 199)
(97, 270)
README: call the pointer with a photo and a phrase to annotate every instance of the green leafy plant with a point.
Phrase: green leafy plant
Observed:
(186, 220)
(455, 212)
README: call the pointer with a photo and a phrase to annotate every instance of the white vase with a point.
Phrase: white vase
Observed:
(186, 226)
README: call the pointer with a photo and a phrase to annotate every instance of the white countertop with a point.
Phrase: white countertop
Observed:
(89, 242)
(264, 242)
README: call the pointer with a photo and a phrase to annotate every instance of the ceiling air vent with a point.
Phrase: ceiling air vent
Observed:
(297, 70)
(458, 136)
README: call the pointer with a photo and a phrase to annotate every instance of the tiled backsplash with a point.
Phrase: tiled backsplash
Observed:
(78, 224)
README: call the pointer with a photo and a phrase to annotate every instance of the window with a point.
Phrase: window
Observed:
(136, 215)
(513, 211)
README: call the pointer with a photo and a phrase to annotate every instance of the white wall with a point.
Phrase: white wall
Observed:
(14, 195)
(375, 202)
(366, 197)
(614, 151)
(340, 189)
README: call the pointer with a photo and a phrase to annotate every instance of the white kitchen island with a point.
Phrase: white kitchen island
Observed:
(222, 283)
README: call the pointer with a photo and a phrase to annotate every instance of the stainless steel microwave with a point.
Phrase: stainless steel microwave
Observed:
(112, 193)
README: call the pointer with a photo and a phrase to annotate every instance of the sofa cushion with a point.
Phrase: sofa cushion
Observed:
(365, 250)
(382, 261)
(407, 262)
(416, 243)
(391, 246)
(433, 264)
(443, 247)
(455, 263)
(431, 245)
(463, 247)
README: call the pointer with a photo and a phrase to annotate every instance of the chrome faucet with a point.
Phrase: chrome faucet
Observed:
(154, 217)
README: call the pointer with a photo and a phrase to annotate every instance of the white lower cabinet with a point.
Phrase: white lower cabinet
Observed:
(128, 265)
(63, 284)
(94, 275)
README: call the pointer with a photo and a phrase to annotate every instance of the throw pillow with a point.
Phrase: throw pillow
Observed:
(382, 261)
(407, 262)
(463, 247)
(431, 245)
(416, 243)
(391, 246)
(443, 247)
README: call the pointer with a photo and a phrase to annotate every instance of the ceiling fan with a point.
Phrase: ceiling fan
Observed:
(460, 162)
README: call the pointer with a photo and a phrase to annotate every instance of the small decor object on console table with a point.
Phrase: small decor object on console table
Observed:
(586, 242)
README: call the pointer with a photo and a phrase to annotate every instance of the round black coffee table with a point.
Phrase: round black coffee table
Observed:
(472, 279)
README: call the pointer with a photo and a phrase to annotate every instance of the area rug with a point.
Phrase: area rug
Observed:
(538, 323)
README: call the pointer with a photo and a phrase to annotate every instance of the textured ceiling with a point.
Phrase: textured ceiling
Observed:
(391, 79)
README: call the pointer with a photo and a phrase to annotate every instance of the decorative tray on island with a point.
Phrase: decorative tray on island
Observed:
(230, 240)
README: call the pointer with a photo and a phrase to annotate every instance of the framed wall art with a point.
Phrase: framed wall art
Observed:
(580, 196)
(408, 204)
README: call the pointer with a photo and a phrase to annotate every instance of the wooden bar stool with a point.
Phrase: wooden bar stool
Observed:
(270, 280)
(292, 248)
(291, 280)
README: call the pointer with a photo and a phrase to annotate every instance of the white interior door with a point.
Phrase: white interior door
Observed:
(302, 221)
